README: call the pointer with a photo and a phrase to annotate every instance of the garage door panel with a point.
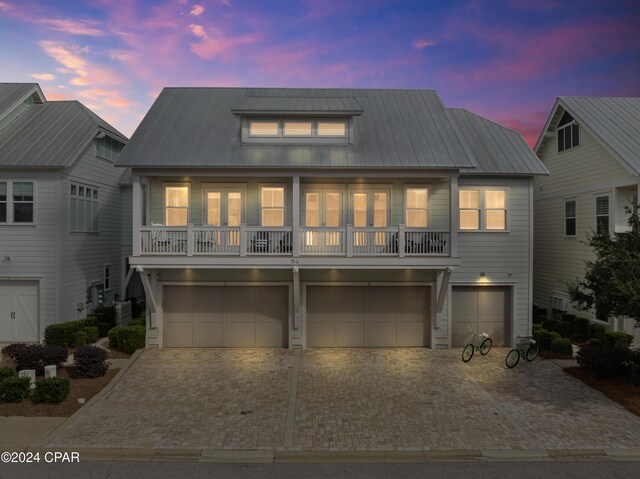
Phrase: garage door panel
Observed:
(241, 335)
(492, 303)
(412, 304)
(350, 334)
(273, 304)
(412, 334)
(320, 304)
(240, 304)
(7, 325)
(179, 334)
(382, 334)
(208, 334)
(271, 335)
(381, 304)
(484, 309)
(209, 304)
(349, 304)
(27, 315)
(320, 334)
(175, 299)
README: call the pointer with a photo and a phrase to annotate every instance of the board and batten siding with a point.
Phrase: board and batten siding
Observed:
(581, 173)
(504, 256)
(85, 254)
(32, 248)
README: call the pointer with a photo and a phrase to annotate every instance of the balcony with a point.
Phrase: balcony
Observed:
(262, 241)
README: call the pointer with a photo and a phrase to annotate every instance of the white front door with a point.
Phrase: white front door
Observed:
(19, 310)
(223, 209)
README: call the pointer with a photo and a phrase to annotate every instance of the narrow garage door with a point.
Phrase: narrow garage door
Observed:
(19, 311)
(226, 316)
(367, 316)
(483, 309)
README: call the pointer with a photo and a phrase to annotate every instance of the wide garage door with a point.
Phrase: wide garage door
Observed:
(226, 316)
(483, 309)
(19, 310)
(367, 316)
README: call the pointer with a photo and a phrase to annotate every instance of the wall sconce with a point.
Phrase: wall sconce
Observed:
(483, 273)
(510, 274)
(6, 259)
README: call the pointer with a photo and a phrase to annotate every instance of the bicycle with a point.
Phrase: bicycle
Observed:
(527, 348)
(484, 344)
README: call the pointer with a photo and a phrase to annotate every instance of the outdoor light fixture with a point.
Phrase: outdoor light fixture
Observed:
(483, 273)
(6, 259)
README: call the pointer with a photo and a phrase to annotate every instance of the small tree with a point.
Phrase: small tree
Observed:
(612, 280)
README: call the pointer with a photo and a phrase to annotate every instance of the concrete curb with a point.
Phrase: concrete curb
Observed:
(354, 457)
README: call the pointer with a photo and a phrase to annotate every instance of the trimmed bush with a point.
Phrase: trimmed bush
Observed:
(596, 331)
(139, 321)
(566, 329)
(92, 334)
(604, 361)
(7, 373)
(562, 346)
(618, 339)
(88, 322)
(130, 338)
(35, 356)
(51, 390)
(595, 342)
(544, 338)
(539, 315)
(105, 314)
(581, 327)
(79, 339)
(14, 389)
(89, 362)
(113, 337)
(62, 334)
(103, 329)
(552, 325)
(577, 338)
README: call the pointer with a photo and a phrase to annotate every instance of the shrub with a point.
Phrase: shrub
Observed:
(7, 373)
(92, 334)
(543, 338)
(103, 329)
(105, 314)
(618, 339)
(61, 334)
(577, 338)
(139, 321)
(79, 339)
(596, 331)
(129, 338)
(604, 361)
(562, 346)
(566, 329)
(51, 390)
(35, 356)
(552, 325)
(581, 327)
(595, 342)
(113, 337)
(14, 389)
(539, 315)
(88, 322)
(89, 362)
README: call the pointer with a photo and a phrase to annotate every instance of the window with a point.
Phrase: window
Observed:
(297, 130)
(570, 218)
(417, 211)
(272, 205)
(84, 209)
(17, 202)
(483, 209)
(107, 277)
(176, 205)
(568, 133)
(602, 214)
(108, 148)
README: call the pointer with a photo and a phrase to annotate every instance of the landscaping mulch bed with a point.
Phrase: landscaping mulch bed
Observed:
(80, 388)
(619, 390)
(114, 354)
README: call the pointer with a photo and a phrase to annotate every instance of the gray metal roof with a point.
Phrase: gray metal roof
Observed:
(260, 104)
(12, 93)
(613, 121)
(50, 135)
(496, 149)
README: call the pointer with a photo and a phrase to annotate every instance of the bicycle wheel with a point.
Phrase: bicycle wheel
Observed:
(512, 358)
(467, 353)
(532, 352)
(485, 347)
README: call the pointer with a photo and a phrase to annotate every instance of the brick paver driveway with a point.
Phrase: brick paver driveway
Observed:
(347, 400)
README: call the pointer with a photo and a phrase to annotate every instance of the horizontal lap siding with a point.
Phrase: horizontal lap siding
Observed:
(499, 254)
(558, 259)
(33, 248)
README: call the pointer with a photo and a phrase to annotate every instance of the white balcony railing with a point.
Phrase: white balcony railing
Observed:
(278, 241)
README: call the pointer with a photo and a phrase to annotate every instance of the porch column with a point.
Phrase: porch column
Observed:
(295, 234)
(137, 213)
(454, 216)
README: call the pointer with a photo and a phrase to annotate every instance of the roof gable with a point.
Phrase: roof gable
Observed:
(12, 94)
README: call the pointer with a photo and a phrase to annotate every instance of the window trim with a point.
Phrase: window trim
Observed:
(284, 203)
(280, 138)
(106, 278)
(567, 126)
(575, 218)
(93, 188)
(164, 200)
(595, 210)
(483, 209)
(10, 216)
(423, 186)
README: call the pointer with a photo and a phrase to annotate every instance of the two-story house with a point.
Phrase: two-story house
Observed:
(329, 218)
(591, 146)
(60, 233)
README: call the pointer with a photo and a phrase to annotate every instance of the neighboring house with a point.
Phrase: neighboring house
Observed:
(60, 224)
(329, 218)
(591, 147)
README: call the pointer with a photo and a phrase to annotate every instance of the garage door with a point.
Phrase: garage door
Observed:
(367, 316)
(19, 310)
(226, 316)
(485, 309)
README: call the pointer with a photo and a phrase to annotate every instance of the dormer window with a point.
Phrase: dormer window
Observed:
(295, 130)
(568, 133)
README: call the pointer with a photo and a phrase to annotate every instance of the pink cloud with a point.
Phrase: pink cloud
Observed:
(5, 6)
(197, 10)
(54, 96)
(79, 81)
(118, 102)
(43, 76)
(221, 47)
(421, 44)
(73, 27)
(65, 57)
(198, 30)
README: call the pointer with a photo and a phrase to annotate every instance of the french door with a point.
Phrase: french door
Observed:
(323, 210)
(223, 209)
(369, 209)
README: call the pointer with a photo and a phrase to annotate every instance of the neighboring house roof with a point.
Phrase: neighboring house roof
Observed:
(613, 121)
(496, 149)
(13, 93)
(51, 135)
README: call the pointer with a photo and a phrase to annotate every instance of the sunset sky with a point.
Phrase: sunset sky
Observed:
(504, 59)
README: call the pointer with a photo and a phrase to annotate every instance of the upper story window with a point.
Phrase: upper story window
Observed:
(483, 209)
(570, 218)
(602, 214)
(84, 208)
(568, 133)
(417, 209)
(272, 206)
(108, 148)
(295, 130)
(176, 205)
(16, 202)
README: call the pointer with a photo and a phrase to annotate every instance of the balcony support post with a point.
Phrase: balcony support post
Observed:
(137, 213)
(454, 216)
(349, 240)
(243, 239)
(401, 241)
(190, 239)
(295, 233)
